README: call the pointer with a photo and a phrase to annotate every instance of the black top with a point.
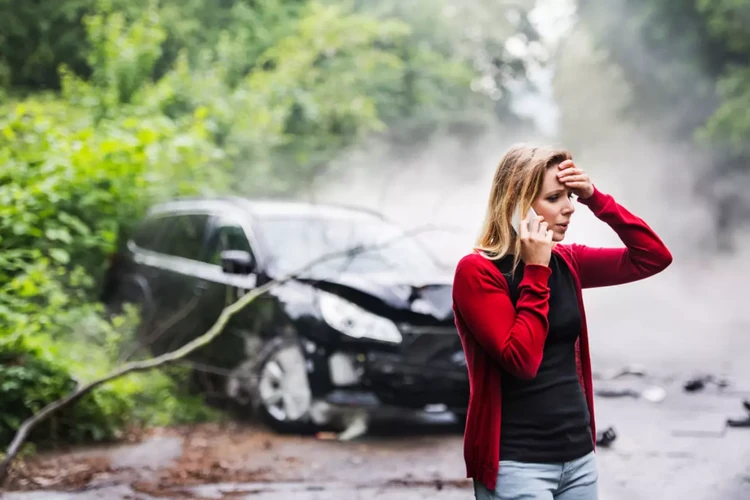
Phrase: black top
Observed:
(546, 419)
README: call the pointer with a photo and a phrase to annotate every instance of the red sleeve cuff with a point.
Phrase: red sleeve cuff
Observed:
(536, 273)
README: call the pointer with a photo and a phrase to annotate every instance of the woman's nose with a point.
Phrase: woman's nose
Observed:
(569, 208)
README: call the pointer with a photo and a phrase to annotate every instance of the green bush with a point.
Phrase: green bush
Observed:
(30, 379)
(34, 373)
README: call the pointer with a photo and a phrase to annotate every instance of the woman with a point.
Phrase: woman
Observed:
(530, 431)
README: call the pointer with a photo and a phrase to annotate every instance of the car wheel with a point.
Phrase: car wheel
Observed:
(278, 387)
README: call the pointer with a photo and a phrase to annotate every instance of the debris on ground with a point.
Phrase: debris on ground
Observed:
(606, 437)
(629, 381)
(653, 393)
(56, 472)
(633, 370)
(699, 383)
(740, 422)
(616, 393)
(744, 421)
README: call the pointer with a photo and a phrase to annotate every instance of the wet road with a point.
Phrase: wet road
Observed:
(677, 449)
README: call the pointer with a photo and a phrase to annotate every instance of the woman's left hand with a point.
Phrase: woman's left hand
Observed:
(576, 179)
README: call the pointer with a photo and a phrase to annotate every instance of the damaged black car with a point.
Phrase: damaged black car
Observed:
(367, 329)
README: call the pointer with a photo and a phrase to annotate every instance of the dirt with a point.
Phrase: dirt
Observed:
(57, 472)
(68, 468)
(210, 453)
(232, 453)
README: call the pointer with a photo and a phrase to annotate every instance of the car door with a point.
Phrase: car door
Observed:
(144, 282)
(220, 289)
(176, 282)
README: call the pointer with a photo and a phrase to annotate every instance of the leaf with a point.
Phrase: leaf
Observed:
(27, 288)
(59, 235)
(75, 223)
(19, 228)
(60, 255)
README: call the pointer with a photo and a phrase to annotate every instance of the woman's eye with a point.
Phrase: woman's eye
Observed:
(553, 198)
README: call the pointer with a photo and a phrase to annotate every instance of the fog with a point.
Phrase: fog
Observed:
(686, 320)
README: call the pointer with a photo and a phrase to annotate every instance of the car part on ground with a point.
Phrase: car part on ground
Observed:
(699, 383)
(606, 437)
(651, 393)
(742, 422)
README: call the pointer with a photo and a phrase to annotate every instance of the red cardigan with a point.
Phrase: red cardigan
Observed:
(494, 333)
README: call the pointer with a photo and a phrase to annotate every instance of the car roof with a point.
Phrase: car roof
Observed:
(265, 208)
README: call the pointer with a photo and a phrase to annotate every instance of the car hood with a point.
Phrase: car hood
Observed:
(418, 294)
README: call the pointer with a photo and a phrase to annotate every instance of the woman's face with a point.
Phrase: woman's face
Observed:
(554, 203)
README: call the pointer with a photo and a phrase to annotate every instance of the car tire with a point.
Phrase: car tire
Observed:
(277, 386)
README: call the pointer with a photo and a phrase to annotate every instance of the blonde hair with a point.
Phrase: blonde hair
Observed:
(518, 179)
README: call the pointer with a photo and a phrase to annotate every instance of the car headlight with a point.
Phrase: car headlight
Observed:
(352, 320)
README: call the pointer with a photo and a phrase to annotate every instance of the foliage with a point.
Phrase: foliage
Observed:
(30, 378)
(35, 38)
(34, 373)
(309, 95)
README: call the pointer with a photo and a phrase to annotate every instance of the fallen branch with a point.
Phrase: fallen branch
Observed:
(170, 357)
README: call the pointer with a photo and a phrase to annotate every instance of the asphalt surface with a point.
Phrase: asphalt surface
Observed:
(675, 449)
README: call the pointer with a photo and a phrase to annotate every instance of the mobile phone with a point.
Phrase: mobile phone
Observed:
(516, 220)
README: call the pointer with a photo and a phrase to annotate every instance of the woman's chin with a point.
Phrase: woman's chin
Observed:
(557, 237)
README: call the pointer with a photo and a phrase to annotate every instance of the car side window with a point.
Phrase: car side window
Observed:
(185, 236)
(149, 232)
(225, 235)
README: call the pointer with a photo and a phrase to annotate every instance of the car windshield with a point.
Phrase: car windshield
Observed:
(294, 242)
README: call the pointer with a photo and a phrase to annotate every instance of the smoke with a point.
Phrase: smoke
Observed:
(688, 319)
(442, 185)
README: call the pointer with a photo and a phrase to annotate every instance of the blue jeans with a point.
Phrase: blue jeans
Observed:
(575, 480)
